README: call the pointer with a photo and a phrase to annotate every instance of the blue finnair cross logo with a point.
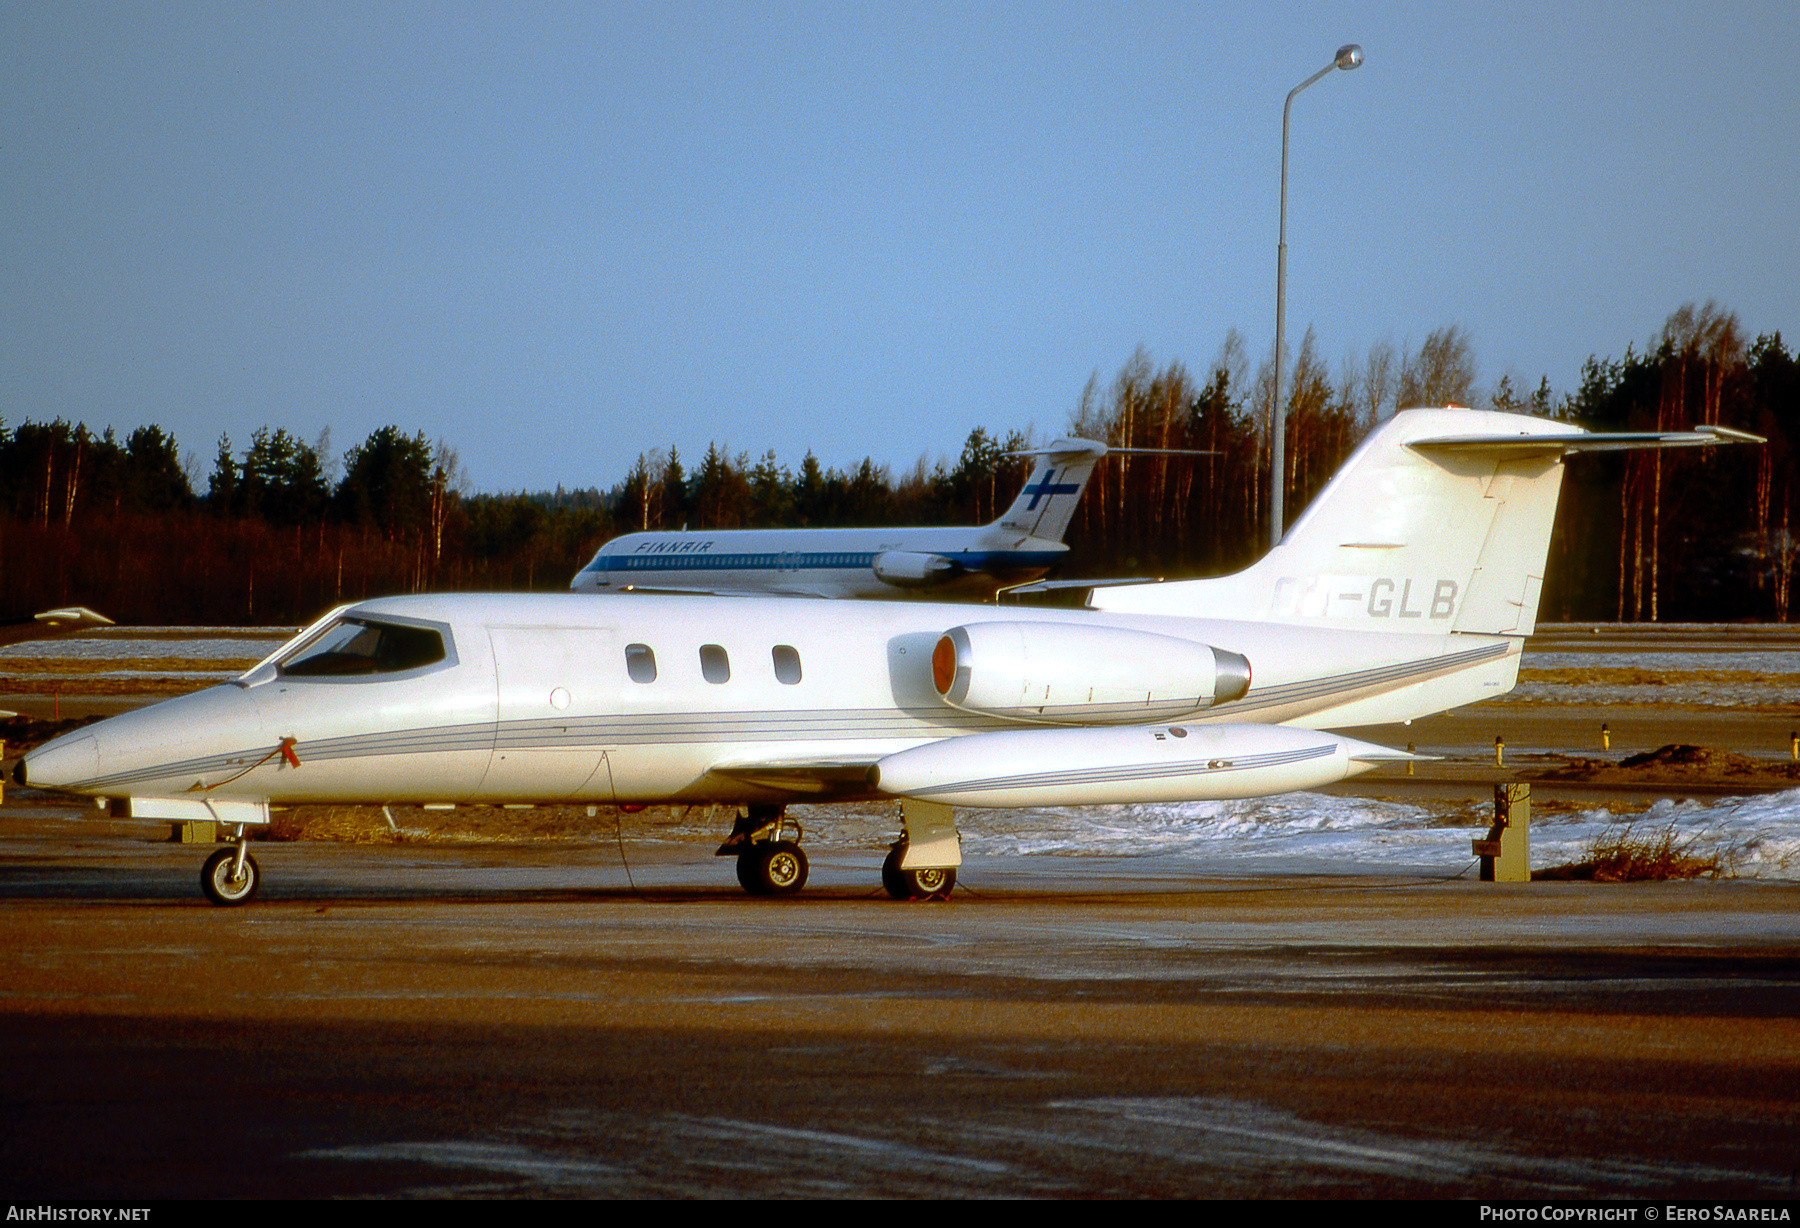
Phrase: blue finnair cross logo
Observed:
(1046, 487)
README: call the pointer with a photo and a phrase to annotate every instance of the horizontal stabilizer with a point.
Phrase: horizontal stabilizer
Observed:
(1512, 447)
(1063, 451)
(1072, 449)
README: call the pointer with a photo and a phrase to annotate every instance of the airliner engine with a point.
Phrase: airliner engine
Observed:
(913, 569)
(1157, 763)
(1062, 674)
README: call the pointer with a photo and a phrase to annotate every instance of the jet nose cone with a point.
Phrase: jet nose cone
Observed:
(61, 763)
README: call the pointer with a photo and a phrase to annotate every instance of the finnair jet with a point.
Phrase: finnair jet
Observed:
(964, 562)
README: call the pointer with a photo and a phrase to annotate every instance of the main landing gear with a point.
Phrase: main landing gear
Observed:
(774, 867)
(767, 864)
(231, 876)
(925, 883)
(920, 865)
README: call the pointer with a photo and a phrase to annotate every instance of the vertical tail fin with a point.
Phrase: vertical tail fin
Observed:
(1439, 522)
(1044, 508)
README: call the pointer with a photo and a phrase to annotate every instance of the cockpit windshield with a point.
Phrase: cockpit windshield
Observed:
(361, 646)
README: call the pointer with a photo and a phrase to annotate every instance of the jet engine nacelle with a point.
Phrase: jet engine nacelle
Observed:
(1156, 763)
(913, 569)
(1063, 674)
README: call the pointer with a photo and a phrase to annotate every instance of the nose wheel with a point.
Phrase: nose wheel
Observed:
(230, 877)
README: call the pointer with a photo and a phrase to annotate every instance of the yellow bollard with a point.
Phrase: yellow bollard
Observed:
(1410, 749)
(1605, 737)
(1499, 751)
(1506, 852)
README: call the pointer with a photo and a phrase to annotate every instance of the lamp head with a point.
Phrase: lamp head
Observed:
(1348, 56)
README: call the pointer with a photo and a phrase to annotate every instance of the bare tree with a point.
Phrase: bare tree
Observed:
(1706, 344)
(1378, 382)
(1310, 398)
(1232, 387)
(1441, 373)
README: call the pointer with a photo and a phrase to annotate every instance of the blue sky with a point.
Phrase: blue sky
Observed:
(556, 236)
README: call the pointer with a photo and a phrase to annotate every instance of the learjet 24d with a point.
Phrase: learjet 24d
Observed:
(1406, 589)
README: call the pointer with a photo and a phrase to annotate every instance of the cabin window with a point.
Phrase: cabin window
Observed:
(353, 646)
(787, 665)
(715, 666)
(640, 662)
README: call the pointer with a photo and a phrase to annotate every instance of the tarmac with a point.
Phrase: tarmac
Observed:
(584, 1018)
(538, 1020)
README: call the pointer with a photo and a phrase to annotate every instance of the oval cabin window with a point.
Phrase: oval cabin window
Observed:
(787, 665)
(640, 662)
(715, 666)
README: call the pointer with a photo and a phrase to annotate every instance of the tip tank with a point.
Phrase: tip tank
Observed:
(1143, 763)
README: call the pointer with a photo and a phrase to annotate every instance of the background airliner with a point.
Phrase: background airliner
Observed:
(970, 561)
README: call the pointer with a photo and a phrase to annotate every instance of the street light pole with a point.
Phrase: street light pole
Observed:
(1348, 57)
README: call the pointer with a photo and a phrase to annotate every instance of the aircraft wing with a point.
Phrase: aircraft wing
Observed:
(670, 591)
(1051, 586)
(803, 776)
(1114, 752)
(1070, 593)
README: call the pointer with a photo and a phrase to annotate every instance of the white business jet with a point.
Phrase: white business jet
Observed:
(948, 561)
(1406, 589)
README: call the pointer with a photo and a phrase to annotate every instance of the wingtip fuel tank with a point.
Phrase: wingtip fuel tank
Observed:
(1145, 763)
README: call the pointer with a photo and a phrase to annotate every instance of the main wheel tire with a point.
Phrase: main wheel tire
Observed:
(774, 867)
(224, 890)
(925, 883)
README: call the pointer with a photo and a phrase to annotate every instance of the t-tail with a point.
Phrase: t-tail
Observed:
(1440, 522)
(1059, 474)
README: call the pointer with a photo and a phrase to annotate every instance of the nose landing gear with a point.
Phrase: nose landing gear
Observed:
(231, 876)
